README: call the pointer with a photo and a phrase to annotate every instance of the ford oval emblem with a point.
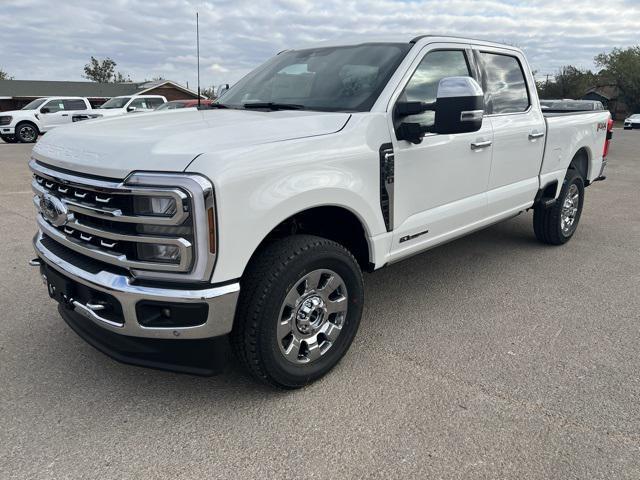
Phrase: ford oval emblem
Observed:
(53, 210)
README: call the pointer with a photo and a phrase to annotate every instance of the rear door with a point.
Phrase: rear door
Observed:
(519, 129)
(439, 184)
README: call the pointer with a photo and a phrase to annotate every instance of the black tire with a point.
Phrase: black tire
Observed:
(9, 138)
(547, 222)
(270, 276)
(26, 132)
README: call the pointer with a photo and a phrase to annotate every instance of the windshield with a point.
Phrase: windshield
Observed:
(34, 104)
(327, 79)
(117, 102)
(172, 105)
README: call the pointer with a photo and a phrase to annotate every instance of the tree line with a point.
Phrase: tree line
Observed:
(620, 67)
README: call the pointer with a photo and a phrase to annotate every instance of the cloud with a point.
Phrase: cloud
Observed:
(42, 39)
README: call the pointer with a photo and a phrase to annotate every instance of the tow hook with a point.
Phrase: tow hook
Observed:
(36, 262)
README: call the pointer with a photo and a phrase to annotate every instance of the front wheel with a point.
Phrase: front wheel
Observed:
(26, 132)
(556, 225)
(299, 310)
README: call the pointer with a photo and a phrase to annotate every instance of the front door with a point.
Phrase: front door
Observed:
(55, 114)
(440, 184)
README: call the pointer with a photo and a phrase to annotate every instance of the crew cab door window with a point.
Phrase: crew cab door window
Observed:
(139, 104)
(74, 105)
(154, 102)
(423, 85)
(505, 86)
(54, 106)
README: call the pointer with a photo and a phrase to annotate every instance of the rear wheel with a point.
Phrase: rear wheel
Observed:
(8, 138)
(299, 310)
(556, 225)
(26, 132)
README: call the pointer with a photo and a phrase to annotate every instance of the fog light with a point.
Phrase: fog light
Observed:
(150, 252)
(162, 206)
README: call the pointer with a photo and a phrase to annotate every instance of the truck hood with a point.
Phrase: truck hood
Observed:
(169, 141)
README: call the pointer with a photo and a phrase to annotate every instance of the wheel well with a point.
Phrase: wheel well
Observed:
(335, 223)
(22, 122)
(580, 163)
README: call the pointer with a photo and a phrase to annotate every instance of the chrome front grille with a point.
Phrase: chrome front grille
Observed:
(102, 219)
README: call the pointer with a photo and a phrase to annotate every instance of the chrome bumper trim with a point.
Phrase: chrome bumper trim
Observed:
(221, 300)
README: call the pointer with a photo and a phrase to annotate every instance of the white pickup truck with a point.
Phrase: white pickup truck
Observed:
(255, 219)
(40, 116)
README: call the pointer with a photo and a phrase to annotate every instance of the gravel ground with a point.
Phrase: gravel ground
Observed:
(490, 357)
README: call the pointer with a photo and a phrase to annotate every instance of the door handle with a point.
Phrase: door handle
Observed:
(65, 114)
(479, 145)
(534, 135)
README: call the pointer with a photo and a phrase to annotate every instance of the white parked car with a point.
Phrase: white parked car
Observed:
(631, 122)
(256, 218)
(127, 104)
(40, 116)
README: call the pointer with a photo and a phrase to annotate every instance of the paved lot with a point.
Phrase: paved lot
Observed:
(490, 357)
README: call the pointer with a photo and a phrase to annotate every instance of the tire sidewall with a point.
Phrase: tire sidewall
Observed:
(277, 366)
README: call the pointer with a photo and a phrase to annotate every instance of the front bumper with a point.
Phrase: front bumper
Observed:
(7, 130)
(220, 300)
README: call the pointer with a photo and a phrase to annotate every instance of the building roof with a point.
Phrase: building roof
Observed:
(45, 88)
(608, 92)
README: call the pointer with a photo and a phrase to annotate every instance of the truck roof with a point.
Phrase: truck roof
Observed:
(422, 39)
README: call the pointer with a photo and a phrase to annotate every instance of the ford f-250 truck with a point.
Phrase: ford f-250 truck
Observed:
(255, 219)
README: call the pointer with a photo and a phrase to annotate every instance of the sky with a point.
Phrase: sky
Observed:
(54, 39)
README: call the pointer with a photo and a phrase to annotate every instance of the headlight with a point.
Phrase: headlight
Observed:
(5, 120)
(159, 206)
(148, 252)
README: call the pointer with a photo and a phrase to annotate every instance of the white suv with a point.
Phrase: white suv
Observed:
(132, 103)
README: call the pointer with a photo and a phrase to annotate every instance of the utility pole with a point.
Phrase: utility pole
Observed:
(198, 53)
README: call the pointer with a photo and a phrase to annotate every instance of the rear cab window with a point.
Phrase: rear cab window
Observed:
(504, 84)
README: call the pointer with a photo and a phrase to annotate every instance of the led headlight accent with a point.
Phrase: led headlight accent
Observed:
(148, 252)
(160, 206)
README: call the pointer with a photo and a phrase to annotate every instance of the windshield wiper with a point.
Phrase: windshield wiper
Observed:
(274, 106)
(216, 105)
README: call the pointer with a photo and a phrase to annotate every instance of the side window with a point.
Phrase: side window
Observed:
(74, 105)
(139, 103)
(154, 102)
(506, 88)
(423, 85)
(54, 105)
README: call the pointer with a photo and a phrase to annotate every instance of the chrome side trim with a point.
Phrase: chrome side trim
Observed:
(221, 300)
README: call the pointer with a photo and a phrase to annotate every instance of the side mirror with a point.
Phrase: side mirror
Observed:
(131, 109)
(45, 110)
(459, 108)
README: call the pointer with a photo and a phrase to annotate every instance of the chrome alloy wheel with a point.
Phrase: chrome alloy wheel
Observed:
(569, 209)
(312, 316)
